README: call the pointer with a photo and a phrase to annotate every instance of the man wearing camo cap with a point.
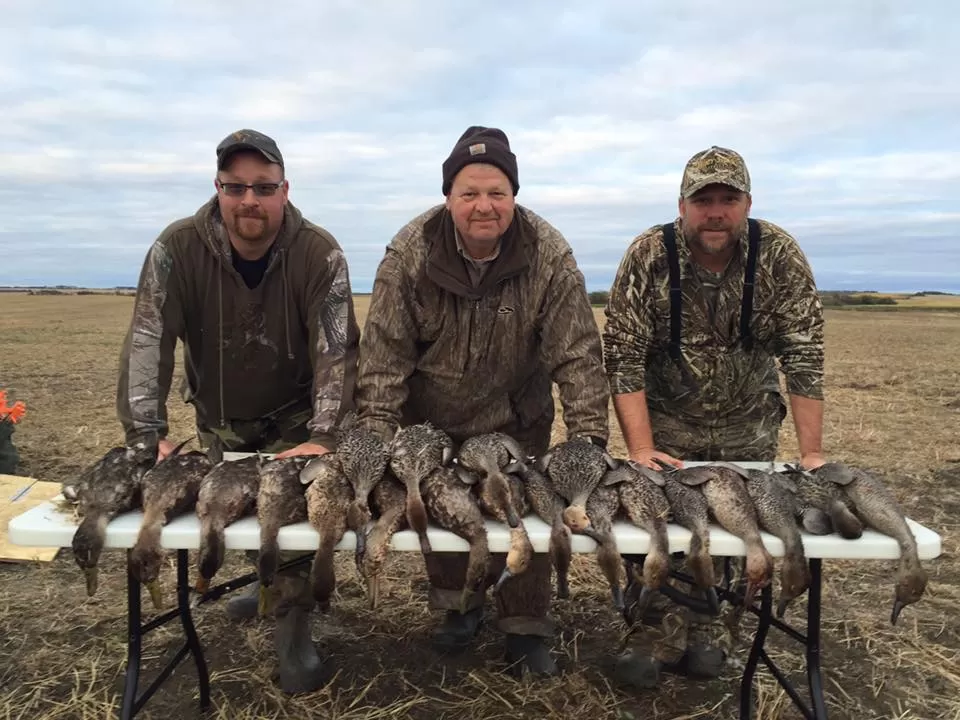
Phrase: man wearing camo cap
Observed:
(693, 372)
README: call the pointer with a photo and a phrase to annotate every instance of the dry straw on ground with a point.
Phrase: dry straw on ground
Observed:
(894, 402)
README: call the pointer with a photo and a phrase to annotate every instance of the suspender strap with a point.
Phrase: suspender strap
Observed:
(676, 297)
(673, 264)
(749, 276)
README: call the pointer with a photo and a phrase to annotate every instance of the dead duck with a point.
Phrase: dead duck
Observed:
(227, 493)
(329, 496)
(364, 456)
(389, 500)
(415, 452)
(280, 501)
(575, 467)
(454, 507)
(690, 510)
(501, 498)
(602, 507)
(644, 502)
(107, 488)
(818, 496)
(879, 509)
(549, 507)
(168, 489)
(777, 510)
(488, 455)
(722, 484)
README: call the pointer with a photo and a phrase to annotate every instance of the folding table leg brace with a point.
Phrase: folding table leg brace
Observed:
(765, 620)
(131, 704)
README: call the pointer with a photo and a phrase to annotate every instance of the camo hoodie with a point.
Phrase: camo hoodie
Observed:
(475, 360)
(787, 325)
(291, 341)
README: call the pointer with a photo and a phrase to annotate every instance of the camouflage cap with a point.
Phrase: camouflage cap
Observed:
(248, 140)
(715, 166)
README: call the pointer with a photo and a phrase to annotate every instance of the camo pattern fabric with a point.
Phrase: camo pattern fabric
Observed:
(476, 360)
(257, 361)
(731, 386)
(716, 165)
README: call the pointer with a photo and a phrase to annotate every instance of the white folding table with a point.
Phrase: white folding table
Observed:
(47, 526)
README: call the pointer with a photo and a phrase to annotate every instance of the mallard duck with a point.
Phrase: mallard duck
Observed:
(722, 484)
(415, 452)
(169, 489)
(389, 499)
(815, 493)
(329, 497)
(364, 456)
(879, 509)
(647, 506)
(227, 493)
(575, 468)
(453, 507)
(280, 501)
(549, 507)
(107, 488)
(777, 510)
(602, 508)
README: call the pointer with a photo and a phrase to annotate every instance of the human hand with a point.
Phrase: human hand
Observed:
(164, 448)
(654, 459)
(307, 448)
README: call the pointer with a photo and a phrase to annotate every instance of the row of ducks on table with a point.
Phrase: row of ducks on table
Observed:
(377, 488)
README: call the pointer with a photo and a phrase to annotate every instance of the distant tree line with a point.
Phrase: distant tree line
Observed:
(834, 298)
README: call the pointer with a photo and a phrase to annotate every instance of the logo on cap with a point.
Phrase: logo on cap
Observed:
(478, 149)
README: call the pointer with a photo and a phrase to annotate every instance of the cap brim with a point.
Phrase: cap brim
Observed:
(225, 155)
(715, 180)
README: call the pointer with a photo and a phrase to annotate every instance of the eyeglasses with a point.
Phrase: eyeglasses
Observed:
(240, 189)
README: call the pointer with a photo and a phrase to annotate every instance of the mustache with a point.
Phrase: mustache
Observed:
(251, 214)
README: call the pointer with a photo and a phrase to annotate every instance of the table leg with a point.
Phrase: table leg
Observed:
(813, 640)
(763, 626)
(134, 643)
(186, 619)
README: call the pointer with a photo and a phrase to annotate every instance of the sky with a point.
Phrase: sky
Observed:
(846, 112)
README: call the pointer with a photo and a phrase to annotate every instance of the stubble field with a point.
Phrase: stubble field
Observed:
(893, 384)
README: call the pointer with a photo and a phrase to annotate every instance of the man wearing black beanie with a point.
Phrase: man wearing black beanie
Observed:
(478, 308)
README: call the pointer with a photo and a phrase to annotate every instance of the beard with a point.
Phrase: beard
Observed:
(252, 227)
(714, 243)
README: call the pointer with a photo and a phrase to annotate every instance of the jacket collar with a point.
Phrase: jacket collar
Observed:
(445, 266)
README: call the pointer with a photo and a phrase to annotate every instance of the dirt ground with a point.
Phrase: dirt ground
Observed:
(893, 385)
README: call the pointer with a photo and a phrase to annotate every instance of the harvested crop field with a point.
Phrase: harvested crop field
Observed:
(893, 405)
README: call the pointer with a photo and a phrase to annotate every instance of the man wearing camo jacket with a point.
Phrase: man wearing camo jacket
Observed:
(700, 312)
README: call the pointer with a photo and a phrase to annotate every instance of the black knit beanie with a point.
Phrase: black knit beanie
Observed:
(480, 144)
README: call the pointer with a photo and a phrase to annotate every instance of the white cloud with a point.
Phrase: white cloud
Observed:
(844, 111)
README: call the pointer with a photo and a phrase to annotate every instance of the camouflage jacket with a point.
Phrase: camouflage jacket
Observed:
(291, 342)
(474, 360)
(787, 324)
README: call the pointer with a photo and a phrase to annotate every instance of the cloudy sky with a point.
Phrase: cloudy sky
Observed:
(846, 111)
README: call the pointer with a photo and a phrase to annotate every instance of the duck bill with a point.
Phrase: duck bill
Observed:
(713, 602)
(264, 601)
(156, 594)
(750, 595)
(504, 576)
(782, 607)
(92, 576)
(425, 547)
(513, 520)
(897, 609)
(202, 585)
(361, 549)
(643, 602)
(373, 591)
(616, 592)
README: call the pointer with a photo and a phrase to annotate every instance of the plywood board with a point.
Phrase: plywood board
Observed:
(17, 495)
